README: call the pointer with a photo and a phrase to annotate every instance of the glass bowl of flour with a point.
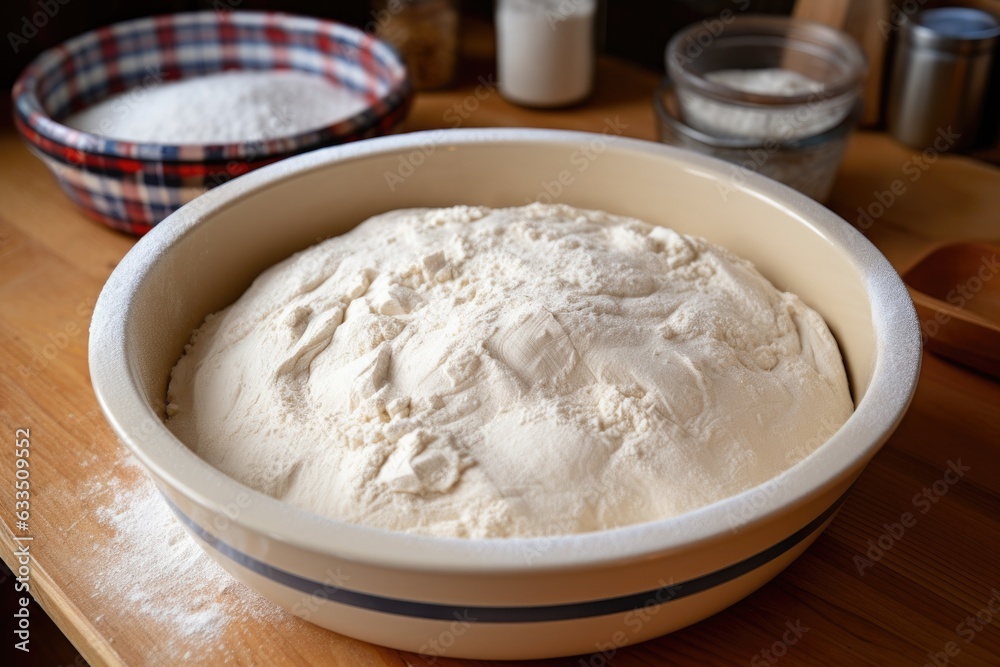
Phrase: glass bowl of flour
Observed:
(808, 164)
(765, 78)
(484, 415)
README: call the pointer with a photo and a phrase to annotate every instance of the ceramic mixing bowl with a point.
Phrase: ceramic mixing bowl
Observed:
(501, 598)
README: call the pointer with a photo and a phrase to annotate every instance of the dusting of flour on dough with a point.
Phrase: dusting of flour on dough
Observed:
(478, 372)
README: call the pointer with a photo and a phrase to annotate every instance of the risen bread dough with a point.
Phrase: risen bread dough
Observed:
(510, 372)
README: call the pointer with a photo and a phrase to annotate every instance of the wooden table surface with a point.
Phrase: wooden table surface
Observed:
(112, 568)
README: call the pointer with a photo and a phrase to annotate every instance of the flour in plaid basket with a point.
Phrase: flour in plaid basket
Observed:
(221, 108)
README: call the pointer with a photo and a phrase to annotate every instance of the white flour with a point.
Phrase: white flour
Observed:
(545, 50)
(773, 81)
(778, 123)
(226, 107)
(485, 373)
(167, 582)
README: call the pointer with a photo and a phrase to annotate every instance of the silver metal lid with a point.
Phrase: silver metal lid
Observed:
(959, 30)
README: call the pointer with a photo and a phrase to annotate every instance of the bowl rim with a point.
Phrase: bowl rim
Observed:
(55, 138)
(119, 393)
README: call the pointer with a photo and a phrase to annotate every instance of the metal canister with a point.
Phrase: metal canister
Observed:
(940, 80)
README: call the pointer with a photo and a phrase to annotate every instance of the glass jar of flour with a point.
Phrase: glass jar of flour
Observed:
(765, 77)
(545, 51)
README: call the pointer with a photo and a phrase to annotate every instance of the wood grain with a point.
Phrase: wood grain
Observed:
(830, 12)
(907, 603)
(868, 22)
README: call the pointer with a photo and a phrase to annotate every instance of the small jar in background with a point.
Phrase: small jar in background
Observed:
(828, 64)
(791, 122)
(942, 72)
(545, 51)
(426, 34)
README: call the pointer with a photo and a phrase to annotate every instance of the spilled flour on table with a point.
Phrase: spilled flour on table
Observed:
(171, 587)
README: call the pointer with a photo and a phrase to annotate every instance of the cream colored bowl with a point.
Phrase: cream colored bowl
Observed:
(513, 598)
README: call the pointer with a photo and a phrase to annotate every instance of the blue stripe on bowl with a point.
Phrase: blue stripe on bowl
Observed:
(532, 614)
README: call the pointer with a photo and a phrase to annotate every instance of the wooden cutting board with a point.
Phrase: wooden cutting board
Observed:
(109, 567)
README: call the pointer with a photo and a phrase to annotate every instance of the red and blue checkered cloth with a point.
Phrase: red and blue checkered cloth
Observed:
(132, 186)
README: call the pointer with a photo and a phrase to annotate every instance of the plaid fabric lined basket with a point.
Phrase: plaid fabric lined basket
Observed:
(132, 186)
